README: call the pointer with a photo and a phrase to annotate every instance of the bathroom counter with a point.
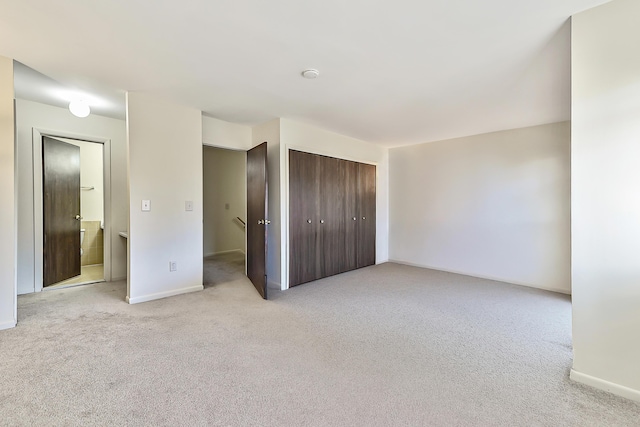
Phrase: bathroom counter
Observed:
(124, 234)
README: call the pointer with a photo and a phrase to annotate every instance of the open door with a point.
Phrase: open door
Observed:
(257, 191)
(61, 210)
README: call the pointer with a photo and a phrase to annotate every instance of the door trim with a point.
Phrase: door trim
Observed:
(284, 200)
(38, 232)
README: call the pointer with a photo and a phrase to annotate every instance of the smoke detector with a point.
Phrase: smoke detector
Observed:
(310, 73)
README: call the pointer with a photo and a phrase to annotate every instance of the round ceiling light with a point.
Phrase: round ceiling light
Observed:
(79, 108)
(310, 73)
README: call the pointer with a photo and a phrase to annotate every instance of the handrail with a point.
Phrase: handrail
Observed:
(241, 221)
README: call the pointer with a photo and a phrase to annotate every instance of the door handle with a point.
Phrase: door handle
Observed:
(260, 221)
(264, 221)
(354, 218)
(308, 221)
(364, 218)
(322, 221)
(78, 217)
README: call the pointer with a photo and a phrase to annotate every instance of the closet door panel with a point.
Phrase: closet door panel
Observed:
(351, 214)
(303, 218)
(332, 224)
(366, 253)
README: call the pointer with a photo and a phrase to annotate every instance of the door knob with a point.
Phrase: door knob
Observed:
(267, 222)
(78, 217)
(308, 221)
(260, 221)
(364, 218)
(322, 221)
(354, 218)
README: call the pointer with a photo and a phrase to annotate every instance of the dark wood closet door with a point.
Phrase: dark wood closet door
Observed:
(333, 219)
(366, 252)
(303, 218)
(61, 210)
(256, 215)
(351, 214)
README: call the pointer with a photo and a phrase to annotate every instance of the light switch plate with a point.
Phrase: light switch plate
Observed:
(188, 205)
(146, 205)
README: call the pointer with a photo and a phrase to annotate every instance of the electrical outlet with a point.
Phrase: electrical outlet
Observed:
(146, 205)
(173, 266)
(188, 205)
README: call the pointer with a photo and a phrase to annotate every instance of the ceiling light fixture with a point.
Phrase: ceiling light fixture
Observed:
(310, 73)
(79, 108)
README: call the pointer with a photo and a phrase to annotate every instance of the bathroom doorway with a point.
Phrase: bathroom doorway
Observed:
(224, 214)
(73, 196)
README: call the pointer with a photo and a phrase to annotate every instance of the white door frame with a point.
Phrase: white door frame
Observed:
(38, 133)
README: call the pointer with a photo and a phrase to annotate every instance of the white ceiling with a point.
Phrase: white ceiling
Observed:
(391, 72)
(34, 86)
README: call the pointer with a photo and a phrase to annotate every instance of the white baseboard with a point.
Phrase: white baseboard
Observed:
(224, 252)
(7, 325)
(497, 279)
(605, 385)
(159, 295)
(274, 285)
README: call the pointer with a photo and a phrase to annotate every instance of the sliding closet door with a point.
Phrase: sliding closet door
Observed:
(366, 247)
(303, 218)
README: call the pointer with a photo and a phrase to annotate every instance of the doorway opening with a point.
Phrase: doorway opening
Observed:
(71, 200)
(73, 212)
(224, 215)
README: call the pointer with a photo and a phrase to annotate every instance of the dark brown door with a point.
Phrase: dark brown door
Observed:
(366, 248)
(257, 193)
(303, 218)
(333, 216)
(61, 210)
(351, 212)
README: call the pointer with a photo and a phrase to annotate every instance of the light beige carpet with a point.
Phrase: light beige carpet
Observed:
(388, 345)
(223, 268)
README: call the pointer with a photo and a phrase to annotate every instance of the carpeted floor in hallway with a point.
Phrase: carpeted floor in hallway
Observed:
(388, 345)
(223, 268)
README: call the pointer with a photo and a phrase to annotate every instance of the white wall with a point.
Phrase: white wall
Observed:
(91, 165)
(281, 135)
(165, 167)
(269, 132)
(8, 314)
(303, 137)
(218, 133)
(494, 206)
(224, 199)
(31, 115)
(605, 197)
